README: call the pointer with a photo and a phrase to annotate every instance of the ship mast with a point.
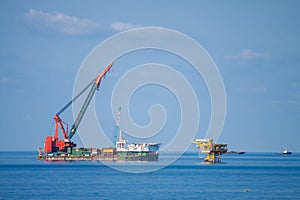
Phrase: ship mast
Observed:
(120, 143)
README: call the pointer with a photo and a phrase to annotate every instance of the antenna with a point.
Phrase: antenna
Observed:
(117, 128)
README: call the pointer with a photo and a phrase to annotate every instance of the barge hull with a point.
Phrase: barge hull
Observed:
(106, 154)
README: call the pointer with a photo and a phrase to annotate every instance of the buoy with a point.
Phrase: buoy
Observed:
(245, 190)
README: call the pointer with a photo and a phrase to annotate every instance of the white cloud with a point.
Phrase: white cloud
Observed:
(70, 25)
(247, 54)
(122, 26)
(59, 22)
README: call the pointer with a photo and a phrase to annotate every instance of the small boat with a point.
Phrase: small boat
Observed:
(286, 152)
(235, 152)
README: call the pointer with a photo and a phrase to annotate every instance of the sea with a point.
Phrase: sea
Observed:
(246, 176)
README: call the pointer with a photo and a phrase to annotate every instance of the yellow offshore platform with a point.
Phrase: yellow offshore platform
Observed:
(214, 151)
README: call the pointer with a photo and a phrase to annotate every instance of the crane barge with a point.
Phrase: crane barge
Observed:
(65, 149)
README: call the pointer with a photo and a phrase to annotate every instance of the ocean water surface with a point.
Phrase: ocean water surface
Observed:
(264, 175)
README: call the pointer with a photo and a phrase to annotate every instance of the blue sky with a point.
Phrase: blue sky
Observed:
(255, 45)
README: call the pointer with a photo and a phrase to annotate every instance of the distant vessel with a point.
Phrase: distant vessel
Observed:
(286, 152)
(235, 152)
